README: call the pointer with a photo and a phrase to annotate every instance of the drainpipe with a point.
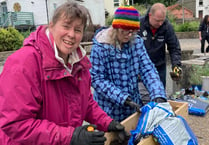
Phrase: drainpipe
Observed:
(182, 11)
(47, 13)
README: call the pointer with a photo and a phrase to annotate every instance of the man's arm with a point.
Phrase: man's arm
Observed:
(173, 46)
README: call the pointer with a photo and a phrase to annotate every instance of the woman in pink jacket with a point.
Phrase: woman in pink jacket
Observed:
(45, 87)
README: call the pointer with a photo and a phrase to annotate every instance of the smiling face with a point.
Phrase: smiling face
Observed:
(67, 35)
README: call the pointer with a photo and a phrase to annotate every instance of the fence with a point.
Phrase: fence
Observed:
(17, 19)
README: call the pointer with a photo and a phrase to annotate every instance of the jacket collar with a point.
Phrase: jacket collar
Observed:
(53, 68)
(75, 57)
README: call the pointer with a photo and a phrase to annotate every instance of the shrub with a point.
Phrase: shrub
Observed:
(196, 72)
(186, 27)
(26, 33)
(10, 39)
(109, 20)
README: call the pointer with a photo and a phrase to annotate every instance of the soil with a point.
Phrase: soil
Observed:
(200, 126)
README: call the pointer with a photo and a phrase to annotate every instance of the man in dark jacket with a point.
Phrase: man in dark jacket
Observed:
(157, 32)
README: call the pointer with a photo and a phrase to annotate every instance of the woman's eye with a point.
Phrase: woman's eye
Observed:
(78, 30)
(66, 26)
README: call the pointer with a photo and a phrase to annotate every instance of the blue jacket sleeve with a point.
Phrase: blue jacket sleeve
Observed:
(100, 81)
(149, 75)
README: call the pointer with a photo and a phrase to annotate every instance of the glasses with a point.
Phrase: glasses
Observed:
(128, 32)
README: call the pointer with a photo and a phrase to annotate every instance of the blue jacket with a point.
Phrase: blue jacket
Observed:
(155, 45)
(115, 73)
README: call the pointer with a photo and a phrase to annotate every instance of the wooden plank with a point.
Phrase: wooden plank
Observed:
(148, 141)
(180, 108)
(129, 123)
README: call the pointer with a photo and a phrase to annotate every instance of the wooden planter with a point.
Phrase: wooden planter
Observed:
(180, 108)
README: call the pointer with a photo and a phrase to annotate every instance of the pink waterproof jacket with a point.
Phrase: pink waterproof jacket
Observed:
(41, 103)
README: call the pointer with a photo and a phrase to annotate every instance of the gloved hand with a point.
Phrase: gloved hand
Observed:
(132, 104)
(82, 136)
(159, 100)
(116, 127)
(176, 73)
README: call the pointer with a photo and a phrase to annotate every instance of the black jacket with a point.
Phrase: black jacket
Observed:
(156, 45)
(204, 28)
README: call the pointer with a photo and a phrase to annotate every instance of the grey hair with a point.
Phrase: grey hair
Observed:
(71, 11)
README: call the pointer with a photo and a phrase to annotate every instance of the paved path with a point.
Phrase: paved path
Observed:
(200, 125)
(190, 44)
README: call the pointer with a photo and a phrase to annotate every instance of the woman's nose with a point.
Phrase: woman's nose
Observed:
(71, 32)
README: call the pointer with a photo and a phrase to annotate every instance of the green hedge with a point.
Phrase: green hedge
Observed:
(186, 27)
(10, 39)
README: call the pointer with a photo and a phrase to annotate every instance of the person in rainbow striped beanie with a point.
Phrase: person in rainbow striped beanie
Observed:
(118, 57)
(126, 17)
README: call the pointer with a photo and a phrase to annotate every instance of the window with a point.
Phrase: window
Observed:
(200, 14)
(201, 3)
(4, 7)
(116, 3)
(54, 5)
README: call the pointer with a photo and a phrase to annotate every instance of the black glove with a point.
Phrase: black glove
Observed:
(176, 73)
(132, 104)
(159, 100)
(82, 136)
(116, 127)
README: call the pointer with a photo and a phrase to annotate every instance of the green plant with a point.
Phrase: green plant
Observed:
(10, 39)
(109, 20)
(141, 8)
(196, 72)
(186, 27)
(26, 33)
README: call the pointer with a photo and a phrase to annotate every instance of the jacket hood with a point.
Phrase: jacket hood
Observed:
(39, 40)
(41, 43)
(104, 35)
(34, 38)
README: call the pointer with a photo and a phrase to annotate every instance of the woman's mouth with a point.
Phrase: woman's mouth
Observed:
(68, 42)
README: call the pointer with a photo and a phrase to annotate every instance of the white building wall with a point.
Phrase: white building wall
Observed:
(42, 16)
(52, 5)
(204, 8)
(38, 7)
(97, 11)
(109, 6)
(95, 7)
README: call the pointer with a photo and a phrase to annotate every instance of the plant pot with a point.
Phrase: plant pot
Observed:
(205, 83)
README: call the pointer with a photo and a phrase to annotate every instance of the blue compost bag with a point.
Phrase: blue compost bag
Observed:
(159, 120)
(195, 105)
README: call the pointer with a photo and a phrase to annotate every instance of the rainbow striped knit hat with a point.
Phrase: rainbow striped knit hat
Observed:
(126, 17)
